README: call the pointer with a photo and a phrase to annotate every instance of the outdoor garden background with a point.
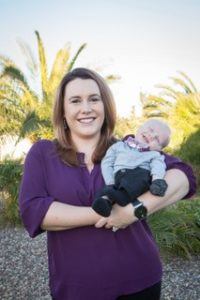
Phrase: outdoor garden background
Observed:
(26, 114)
(148, 52)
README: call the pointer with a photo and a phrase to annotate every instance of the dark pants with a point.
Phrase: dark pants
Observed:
(151, 293)
(129, 184)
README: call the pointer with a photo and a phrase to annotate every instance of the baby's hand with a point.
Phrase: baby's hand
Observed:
(158, 187)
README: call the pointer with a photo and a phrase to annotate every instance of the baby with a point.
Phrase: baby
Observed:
(134, 166)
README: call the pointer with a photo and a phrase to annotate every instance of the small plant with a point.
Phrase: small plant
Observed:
(10, 177)
(177, 228)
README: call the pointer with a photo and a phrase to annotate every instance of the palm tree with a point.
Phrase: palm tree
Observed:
(23, 111)
(180, 106)
(161, 105)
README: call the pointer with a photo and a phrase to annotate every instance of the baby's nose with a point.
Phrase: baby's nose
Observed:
(153, 134)
(150, 135)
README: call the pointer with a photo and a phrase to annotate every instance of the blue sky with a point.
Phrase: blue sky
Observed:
(145, 42)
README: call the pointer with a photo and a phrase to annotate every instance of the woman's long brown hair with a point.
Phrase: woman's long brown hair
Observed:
(64, 144)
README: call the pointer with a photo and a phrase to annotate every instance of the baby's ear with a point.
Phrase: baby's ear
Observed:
(127, 136)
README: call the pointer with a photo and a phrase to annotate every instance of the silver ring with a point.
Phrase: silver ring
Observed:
(114, 229)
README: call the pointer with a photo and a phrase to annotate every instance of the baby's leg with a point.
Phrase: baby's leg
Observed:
(134, 181)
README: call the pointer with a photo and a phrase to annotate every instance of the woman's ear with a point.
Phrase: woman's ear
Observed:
(65, 124)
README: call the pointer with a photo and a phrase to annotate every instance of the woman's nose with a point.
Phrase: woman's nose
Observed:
(86, 107)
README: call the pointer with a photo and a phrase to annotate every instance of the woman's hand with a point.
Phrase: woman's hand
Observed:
(120, 217)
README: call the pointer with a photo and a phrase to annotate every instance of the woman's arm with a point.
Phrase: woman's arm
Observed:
(38, 209)
(62, 216)
(121, 217)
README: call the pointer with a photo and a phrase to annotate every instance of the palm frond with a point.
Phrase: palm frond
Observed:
(12, 104)
(43, 66)
(187, 78)
(13, 84)
(14, 73)
(59, 68)
(71, 64)
(30, 59)
(167, 89)
(6, 61)
(7, 89)
(182, 84)
(11, 116)
(156, 100)
(154, 106)
(30, 124)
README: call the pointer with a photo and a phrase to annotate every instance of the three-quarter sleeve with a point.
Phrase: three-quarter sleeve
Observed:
(175, 163)
(34, 200)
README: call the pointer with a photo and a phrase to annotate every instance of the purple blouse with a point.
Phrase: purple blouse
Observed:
(87, 262)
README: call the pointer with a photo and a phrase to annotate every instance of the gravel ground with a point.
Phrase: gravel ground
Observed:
(25, 277)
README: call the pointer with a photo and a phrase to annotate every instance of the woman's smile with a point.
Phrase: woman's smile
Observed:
(88, 120)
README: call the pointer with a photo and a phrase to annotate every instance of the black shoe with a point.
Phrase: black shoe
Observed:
(102, 206)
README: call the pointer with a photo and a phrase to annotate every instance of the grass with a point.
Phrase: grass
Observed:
(177, 228)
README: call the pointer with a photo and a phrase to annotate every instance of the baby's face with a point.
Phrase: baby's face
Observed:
(152, 135)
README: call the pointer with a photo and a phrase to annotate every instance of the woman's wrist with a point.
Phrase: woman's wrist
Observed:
(120, 217)
(95, 217)
(129, 213)
(139, 209)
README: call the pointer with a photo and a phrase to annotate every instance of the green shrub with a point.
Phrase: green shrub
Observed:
(177, 228)
(189, 151)
(10, 177)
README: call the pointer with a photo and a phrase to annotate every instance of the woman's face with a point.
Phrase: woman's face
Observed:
(83, 108)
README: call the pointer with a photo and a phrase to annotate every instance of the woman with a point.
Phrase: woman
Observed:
(87, 260)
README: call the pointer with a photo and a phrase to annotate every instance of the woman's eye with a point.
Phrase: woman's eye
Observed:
(94, 99)
(75, 101)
